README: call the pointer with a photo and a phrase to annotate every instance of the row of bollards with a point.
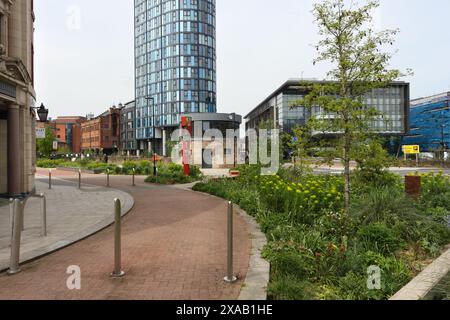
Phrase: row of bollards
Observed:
(17, 218)
(17, 223)
(119, 273)
(108, 184)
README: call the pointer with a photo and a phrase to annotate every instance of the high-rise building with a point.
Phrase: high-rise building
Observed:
(17, 97)
(175, 66)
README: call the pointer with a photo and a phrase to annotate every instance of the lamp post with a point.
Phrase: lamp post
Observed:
(153, 126)
(42, 113)
(233, 118)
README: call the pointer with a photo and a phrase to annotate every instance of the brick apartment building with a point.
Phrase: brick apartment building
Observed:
(67, 131)
(102, 134)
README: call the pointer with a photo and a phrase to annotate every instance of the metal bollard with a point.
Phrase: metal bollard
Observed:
(49, 179)
(23, 215)
(230, 278)
(14, 267)
(43, 215)
(117, 273)
(134, 173)
(11, 214)
(107, 178)
(79, 179)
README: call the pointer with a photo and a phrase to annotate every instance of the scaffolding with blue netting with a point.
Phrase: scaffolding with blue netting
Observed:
(430, 125)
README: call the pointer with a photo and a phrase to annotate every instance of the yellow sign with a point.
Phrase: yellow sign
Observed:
(411, 149)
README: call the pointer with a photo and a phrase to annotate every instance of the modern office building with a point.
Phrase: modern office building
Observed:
(175, 66)
(17, 97)
(430, 123)
(128, 144)
(392, 102)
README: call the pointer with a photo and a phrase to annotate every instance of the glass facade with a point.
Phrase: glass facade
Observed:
(392, 103)
(175, 61)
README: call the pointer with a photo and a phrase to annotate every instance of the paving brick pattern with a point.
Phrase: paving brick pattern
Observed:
(174, 247)
(72, 215)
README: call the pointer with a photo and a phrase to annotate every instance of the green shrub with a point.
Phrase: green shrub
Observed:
(395, 273)
(364, 181)
(386, 204)
(292, 264)
(304, 201)
(174, 174)
(435, 191)
(49, 164)
(317, 251)
(379, 237)
(290, 288)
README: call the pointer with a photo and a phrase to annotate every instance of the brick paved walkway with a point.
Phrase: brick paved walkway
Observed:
(174, 247)
(72, 215)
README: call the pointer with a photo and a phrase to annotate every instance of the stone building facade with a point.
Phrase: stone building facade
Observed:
(17, 96)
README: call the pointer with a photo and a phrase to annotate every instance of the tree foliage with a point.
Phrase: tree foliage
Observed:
(360, 59)
(45, 146)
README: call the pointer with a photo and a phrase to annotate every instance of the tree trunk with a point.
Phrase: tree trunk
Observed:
(347, 172)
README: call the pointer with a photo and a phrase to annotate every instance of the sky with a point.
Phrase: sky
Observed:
(84, 50)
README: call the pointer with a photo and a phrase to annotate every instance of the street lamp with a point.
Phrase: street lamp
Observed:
(42, 113)
(154, 133)
(233, 118)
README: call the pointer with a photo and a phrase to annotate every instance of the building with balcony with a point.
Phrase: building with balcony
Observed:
(128, 143)
(17, 97)
(175, 66)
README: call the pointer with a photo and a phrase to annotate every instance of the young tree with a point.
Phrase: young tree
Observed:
(360, 60)
(300, 144)
(45, 146)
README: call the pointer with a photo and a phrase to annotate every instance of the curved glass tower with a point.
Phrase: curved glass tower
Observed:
(175, 62)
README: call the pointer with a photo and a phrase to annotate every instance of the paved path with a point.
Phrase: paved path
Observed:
(174, 247)
(72, 215)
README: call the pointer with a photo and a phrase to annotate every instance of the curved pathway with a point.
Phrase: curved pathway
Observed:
(72, 215)
(174, 247)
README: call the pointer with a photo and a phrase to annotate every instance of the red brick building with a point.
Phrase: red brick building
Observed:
(67, 131)
(102, 134)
